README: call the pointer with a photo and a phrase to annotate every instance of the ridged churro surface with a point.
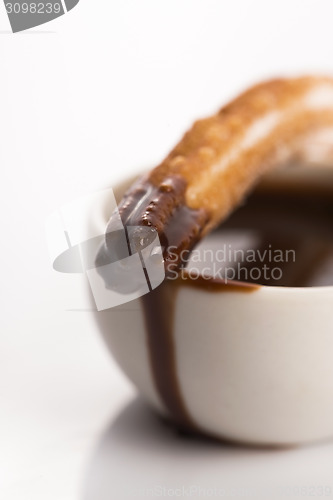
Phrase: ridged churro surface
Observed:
(223, 155)
(221, 158)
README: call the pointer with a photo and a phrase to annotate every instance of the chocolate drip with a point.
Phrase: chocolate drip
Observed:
(159, 311)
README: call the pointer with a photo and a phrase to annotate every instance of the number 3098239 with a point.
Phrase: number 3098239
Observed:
(33, 8)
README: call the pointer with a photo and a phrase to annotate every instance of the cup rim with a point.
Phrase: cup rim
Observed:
(125, 181)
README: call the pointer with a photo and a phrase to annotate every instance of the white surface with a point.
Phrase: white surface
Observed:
(104, 90)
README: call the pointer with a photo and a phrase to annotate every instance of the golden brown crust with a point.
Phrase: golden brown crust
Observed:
(221, 157)
(218, 161)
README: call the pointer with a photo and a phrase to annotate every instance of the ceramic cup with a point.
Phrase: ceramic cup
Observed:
(253, 366)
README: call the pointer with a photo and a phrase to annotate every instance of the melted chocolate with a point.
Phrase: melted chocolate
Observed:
(162, 208)
(285, 221)
(159, 308)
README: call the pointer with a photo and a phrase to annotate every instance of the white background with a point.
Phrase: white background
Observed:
(106, 90)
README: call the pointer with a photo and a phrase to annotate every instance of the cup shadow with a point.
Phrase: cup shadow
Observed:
(139, 456)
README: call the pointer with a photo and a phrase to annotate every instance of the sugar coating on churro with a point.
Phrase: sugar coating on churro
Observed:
(220, 159)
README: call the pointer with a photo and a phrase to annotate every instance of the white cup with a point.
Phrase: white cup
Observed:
(253, 367)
